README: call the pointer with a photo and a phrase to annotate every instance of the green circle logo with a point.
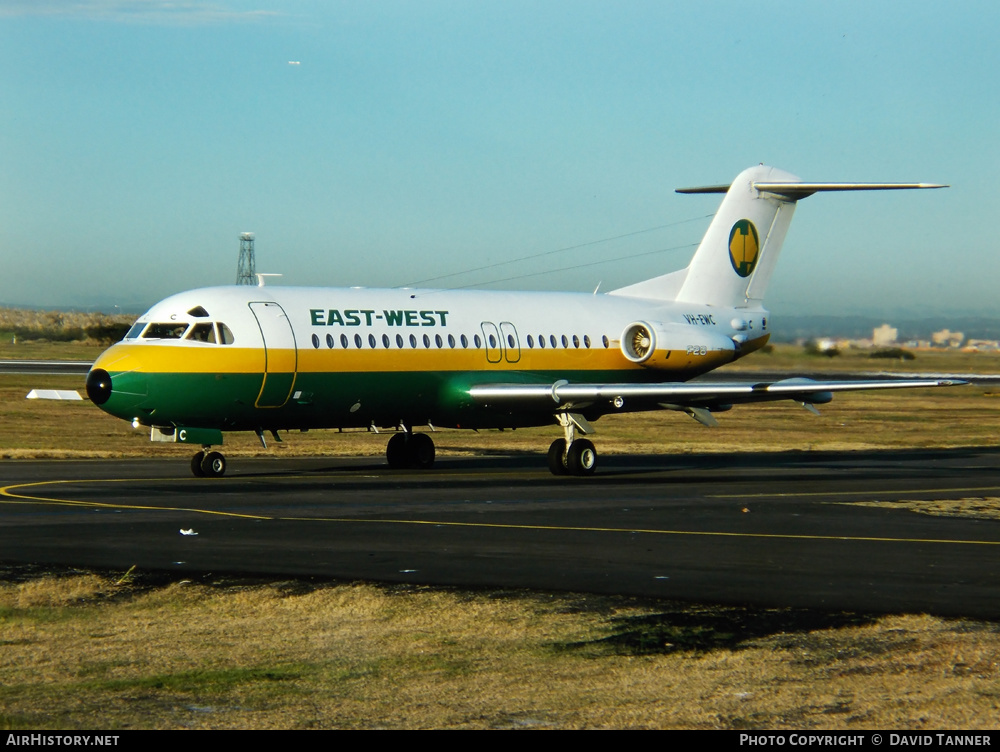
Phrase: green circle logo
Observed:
(744, 247)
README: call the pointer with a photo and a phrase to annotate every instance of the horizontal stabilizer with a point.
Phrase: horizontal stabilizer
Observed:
(739, 251)
(54, 394)
(795, 191)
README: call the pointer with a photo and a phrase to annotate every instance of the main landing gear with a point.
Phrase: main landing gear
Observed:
(580, 458)
(570, 455)
(208, 465)
(410, 450)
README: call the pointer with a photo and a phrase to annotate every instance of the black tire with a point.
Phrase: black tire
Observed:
(421, 449)
(557, 455)
(214, 465)
(196, 465)
(396, 451)
(581, 459)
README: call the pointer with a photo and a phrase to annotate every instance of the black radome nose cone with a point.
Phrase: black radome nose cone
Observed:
(98, 386)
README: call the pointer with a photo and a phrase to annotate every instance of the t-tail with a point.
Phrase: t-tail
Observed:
(734, 262)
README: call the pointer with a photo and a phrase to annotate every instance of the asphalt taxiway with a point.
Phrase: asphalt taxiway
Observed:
(765, 529)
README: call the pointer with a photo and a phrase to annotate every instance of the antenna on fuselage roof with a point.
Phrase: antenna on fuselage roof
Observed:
(260, 278)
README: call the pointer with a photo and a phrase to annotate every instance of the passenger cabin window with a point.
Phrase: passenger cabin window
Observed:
(172, 330)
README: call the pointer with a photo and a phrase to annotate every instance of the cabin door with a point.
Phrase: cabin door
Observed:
(491, 339)
(280, 355)
(511, 345)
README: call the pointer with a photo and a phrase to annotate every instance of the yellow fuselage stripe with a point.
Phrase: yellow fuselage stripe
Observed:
(196, 358)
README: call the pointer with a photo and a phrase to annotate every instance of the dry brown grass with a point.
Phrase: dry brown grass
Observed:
(947, 417)
(957, 416)
(82, 652)
(975, 507)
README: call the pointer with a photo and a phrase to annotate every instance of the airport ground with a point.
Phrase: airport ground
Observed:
(108, 648)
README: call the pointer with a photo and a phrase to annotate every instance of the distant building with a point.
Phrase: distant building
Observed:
(884, 336)
(946, 338)
(979, 345)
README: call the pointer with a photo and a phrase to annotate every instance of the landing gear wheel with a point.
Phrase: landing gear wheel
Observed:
(196, 465)
(557, 455)
(421, 449)
(581, 459)
(214, 465)
(395, 451)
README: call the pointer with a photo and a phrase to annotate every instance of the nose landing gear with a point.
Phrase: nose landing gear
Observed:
(208, 465)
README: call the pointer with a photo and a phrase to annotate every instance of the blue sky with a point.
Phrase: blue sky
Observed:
(138, 138)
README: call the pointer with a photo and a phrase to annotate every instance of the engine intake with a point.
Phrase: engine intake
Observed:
(638, 342)
(679, 346)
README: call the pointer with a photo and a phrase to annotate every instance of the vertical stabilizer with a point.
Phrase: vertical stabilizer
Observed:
(733, 264)
(735, 259)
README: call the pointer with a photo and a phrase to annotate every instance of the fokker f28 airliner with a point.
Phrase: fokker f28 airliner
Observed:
(271, 358)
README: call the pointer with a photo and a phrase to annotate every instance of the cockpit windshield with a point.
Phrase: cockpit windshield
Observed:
(203, 333)
(133, 333)
(172, 330)
(212, 333)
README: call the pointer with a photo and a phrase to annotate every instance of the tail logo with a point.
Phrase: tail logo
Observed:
(744, 247)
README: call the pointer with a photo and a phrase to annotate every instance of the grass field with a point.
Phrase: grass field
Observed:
(959, 416)
(106, 651)
(80, 651)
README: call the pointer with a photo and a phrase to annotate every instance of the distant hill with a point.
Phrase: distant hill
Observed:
(63, 326)
(790, 328)
(784, 327)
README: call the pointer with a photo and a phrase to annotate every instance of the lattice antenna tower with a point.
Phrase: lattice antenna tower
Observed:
(246, 270)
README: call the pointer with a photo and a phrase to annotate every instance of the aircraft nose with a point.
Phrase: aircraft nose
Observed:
(117, 383)
(98, 386)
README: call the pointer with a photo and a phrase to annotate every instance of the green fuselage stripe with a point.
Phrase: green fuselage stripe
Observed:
(229, 401)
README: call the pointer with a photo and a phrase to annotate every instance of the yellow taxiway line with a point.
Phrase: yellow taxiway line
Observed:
(8, 492)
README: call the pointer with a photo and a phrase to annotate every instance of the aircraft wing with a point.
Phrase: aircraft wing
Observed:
(697, 398)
